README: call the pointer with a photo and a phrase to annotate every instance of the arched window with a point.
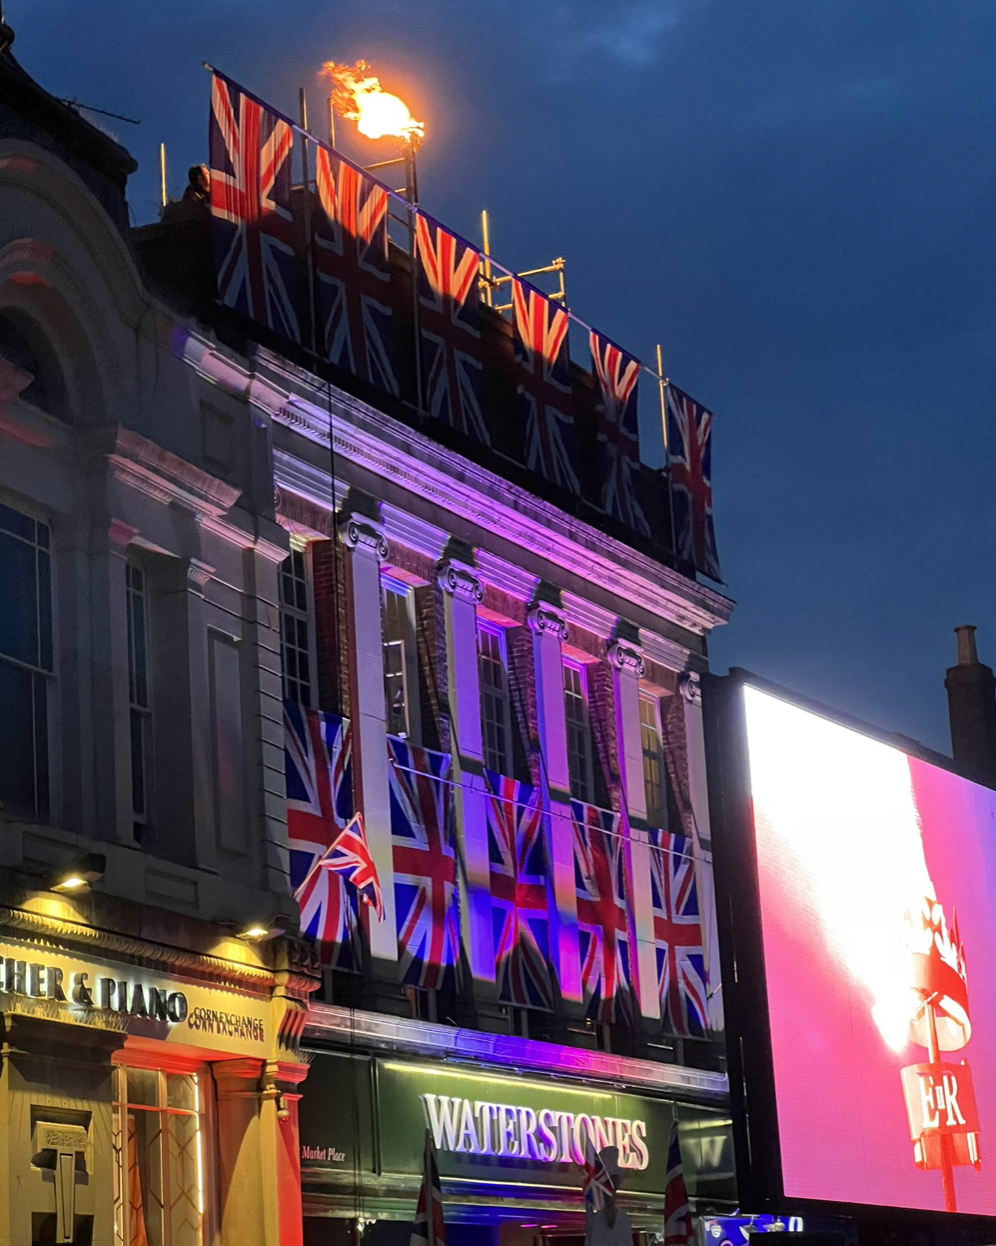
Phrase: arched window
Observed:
(24, 345)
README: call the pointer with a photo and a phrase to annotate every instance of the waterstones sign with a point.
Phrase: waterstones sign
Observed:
(548, 1135)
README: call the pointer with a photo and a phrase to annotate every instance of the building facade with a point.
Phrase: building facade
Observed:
(149, 1068)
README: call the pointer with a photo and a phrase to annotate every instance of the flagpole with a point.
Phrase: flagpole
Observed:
(308, 238)
(661, 383)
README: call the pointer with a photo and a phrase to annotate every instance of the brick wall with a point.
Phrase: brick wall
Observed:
(329, 579)
(433, 684)
(522, 693)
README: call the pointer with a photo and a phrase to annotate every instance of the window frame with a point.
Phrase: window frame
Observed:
(656, 815)
(397, 588)
(502, 695)
(302, 616)
(586, 784)
(44, 678)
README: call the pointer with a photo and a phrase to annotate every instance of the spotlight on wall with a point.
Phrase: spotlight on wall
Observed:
(258, 931)
(80, 874)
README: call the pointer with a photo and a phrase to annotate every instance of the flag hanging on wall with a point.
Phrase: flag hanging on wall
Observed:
(677, 1212)
(689, 454)
(350, 857)
(681, 973)
(449, 328)
(352, 280)
(250, 149)
(618, 430)
(603, 924)
(430, 1224)
(519, 892)
(544, 386)
(425, 893)
(319, 775)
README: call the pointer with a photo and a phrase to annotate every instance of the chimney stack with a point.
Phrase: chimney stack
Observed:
(971, 691)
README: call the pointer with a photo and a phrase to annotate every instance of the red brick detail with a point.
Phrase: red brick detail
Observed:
(410, 563)
(329, 578)
(676, 762)
(505, 604)
(522, 692)
(433, 683)
(602, 710)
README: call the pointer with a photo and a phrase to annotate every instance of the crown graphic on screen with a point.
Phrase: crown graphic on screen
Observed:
(938, 976)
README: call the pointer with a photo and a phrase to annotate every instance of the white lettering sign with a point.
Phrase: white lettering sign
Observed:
(473, 1127)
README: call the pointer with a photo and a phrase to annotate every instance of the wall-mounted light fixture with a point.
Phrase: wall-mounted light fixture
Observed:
(79, 875)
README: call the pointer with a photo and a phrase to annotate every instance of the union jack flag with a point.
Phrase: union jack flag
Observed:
(350, 857)
(598, 1186)
(430, 1225)
(318, 756)
(689, 455)
(424, 865)
(618, 430)
(353, 286)
(449, 328)
(603, 927)
(681, 975)
(545, 386)
(677, 1212)
(249, 148)
(519, 892)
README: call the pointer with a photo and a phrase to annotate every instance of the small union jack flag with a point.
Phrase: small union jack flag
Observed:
(618, 431)
(598, 1185)
(689, 456)
(677, 1212)
(545, 386)
(449, 328)
(603, 925)
(353, 286)
(350, 857)
(430, 1224)
(250, 148)
(424, 865)
(519, 892)
(319, 775)
(681, 975)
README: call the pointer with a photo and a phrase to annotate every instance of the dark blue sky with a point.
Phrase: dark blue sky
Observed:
(797, 197)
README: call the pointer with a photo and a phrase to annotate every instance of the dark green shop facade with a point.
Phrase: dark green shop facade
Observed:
(509, 1135)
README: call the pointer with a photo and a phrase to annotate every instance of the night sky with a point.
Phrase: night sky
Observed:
(796, 197)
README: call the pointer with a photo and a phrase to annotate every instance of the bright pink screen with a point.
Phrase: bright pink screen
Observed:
(877, 876)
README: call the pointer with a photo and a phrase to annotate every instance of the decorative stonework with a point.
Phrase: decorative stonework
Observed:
(544, 618)
(357, 532)
(628, 657)
(460, 580)
(198, 573)
(690, 685)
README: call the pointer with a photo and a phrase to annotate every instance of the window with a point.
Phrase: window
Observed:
(653, 760)
(139, 697)
(159, 1149)
(400, 659)
(578, 729)
(25, 664)
(24, 346)
(295, 628)
(495, 715)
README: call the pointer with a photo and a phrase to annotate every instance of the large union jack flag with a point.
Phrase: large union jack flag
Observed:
(353, 281)
(424, 865)
(689, 455)
(250, 148)
(618, 430)
(545, 386)
(603, 925)
(519, 892)
(319, 774)
(449, 328)
(681, 974)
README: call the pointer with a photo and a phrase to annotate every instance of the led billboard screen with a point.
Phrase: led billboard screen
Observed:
(863, 907)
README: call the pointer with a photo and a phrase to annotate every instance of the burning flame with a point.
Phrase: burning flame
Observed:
(358, 96)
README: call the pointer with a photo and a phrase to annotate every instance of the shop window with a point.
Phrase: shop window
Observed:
(655, 789)
(139, 698)
(26, 664)
(159, 1149)
(296, 628)
(495, 711)
(400, 659)
(578, 722)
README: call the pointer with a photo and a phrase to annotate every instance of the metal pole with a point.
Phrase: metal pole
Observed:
(162, 172)
(486, 241)
(302, 101)
(661, 382)
(331, 122)
(947, 1172)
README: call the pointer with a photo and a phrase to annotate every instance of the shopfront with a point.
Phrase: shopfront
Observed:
(509, 1142)
(144, 1097)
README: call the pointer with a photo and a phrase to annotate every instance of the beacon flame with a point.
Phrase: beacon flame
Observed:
(358, 96)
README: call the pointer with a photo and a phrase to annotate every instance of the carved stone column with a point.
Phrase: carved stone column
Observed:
(364, 538)
(462, 592)
(549, 629)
